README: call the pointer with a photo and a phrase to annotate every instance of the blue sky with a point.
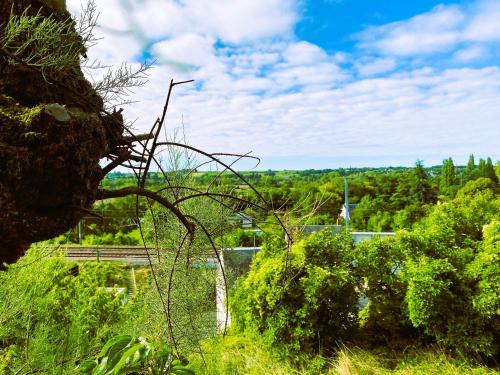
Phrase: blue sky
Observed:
(316, 84)
(330, 24)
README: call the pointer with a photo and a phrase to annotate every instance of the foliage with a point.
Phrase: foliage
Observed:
(421, 188)
(435, 283)
(242, 238)
(448, 182)
(132, 238)
(489, 171)
(486, 268)
(54, 312)
(470, 170)
(303, 299)
(383, 319)
(485, 273)
(387, 198)
(182, 302)
(128, 355)
(351, 361)
(444, 284)
(42, 42)
(238, 354)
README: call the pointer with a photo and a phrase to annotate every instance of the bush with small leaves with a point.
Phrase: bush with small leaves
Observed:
(451, 270)
(54, 311)
(302, 300)
(383, 319)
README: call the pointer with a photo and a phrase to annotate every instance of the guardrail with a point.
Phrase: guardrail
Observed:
(135, 254)
(129, 254)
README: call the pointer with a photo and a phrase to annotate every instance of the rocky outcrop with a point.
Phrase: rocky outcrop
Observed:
(53, 132)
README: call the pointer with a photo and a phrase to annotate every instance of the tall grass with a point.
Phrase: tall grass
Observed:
(235, 355)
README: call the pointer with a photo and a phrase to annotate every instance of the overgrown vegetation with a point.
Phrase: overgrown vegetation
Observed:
(54, 313)
(237, 354)
(387, 199)
(432, 289)
(433, 284)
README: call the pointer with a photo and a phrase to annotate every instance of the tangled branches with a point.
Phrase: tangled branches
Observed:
(56, 128)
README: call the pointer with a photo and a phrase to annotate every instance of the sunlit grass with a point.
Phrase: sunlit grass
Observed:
(239, 355)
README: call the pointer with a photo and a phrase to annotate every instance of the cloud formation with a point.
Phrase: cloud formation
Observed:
(441, 30)
(408, 89)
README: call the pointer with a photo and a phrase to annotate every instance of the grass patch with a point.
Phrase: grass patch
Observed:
(236, 354)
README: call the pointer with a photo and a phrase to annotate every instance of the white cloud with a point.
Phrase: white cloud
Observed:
(320, 74)
(243, 20)
(439, 31)
(303, 53)
(259, 88)
(435, 31)
(404, 113)
(158, 18)
(471, 53)
(376, 66)
(485, 24)
(190, 49)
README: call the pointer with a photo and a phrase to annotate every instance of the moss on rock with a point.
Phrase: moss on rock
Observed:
(52, 137)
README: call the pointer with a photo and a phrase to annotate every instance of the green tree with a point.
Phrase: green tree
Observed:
(408, 216)
(421, 188)
(448, 180)
(470, 170)
(489, 171)
(481, 168)
(443, 293)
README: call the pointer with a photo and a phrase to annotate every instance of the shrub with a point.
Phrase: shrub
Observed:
(383, 319)
(485, 272)
(55, 313)
(439, 300)
(438, 282)
(303, 300)
(451, 272)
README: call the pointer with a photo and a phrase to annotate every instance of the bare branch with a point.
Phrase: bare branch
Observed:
(136, 138)
(228, 167)
(160, 123)
(106, 194)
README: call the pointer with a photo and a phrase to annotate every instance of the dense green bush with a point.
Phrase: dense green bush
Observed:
(242, 238)
(303, 299)
(382, 314)
(124, 239)
(439, 282)
(53, 312)
(449, 286)
(485, 271)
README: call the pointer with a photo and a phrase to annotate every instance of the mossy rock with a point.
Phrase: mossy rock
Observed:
(53, 133)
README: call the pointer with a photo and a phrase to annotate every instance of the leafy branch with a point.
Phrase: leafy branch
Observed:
(128, 355)
(116, 84)
(43, 42)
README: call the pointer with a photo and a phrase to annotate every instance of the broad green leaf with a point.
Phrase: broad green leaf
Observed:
(86, 366)
(119, 341)
(102, 368)
(126, 357)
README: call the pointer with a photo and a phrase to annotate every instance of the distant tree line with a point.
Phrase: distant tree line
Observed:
(387, 199)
